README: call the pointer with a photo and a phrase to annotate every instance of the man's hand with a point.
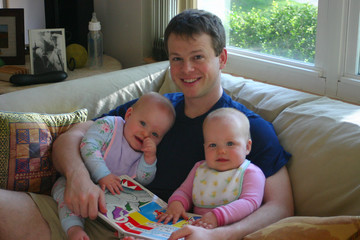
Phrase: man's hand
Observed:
(190, 232)
(112, 183)
(132, 238)
(149, 150)
(82, 196)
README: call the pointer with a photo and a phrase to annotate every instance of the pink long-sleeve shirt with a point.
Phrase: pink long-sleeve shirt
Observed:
(249, 200)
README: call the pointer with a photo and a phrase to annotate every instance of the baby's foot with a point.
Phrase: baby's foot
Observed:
(77, 233)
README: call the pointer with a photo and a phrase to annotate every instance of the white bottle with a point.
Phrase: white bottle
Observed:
(95, 44)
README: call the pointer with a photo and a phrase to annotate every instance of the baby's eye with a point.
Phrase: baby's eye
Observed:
(229, 144)
(142, 123)
(155, 134)
(212, 145)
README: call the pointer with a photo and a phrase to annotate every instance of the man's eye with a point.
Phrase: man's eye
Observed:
(197, 57)
(175, 59)
(142, 123)
(155, 134)
(229, 144)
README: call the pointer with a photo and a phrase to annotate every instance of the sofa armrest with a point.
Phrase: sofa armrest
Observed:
(304, 228)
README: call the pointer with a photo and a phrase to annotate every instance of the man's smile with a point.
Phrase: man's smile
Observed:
(190, 80)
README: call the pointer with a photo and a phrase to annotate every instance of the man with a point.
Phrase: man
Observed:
(196, 59)
(195, 41)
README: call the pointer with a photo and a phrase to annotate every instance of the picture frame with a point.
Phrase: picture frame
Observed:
(47, 50)
(12, 36)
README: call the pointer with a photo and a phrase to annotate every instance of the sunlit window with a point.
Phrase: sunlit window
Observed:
(285, 28)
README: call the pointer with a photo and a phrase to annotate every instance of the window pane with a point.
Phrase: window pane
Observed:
(284, 28)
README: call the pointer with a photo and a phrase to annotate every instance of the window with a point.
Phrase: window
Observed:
(349, 81)
(323, 59)
(279, 28)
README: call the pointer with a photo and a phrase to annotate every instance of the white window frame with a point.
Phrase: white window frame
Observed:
(334, 72)
(348, 85)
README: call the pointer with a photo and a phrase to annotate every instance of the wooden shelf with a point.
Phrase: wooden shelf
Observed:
(149, 60)
(109, 64)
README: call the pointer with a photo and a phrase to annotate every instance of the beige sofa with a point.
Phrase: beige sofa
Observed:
(323, 136)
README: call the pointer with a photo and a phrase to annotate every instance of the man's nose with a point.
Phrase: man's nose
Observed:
(188, 66)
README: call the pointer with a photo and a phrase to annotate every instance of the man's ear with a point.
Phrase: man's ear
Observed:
(248, 146)
(128, 113)
(223, 58)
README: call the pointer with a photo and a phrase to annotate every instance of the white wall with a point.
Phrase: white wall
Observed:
(34, 14)
(126, 26)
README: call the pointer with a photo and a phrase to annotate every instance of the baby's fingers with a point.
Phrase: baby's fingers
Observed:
(165, 218)
(111, 189)
(118, 187)
(200, 223)
(161, 217)
(148, 145)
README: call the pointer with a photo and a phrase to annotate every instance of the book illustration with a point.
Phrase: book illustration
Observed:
(133, 212)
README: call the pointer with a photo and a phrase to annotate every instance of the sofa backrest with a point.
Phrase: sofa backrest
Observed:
(98, 94)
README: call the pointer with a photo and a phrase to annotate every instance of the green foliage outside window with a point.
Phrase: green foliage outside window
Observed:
(285, 28)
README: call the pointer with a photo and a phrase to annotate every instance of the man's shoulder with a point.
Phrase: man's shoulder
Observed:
(175, 98)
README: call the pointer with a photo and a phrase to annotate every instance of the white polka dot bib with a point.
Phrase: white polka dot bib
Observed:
(212, 188)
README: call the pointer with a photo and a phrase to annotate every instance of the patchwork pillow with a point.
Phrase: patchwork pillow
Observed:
(305, 228)
(25, 148)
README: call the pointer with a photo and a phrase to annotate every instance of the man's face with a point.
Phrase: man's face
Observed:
(194, 67)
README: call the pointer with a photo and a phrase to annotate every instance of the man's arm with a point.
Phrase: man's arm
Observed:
(278, 204)
(82, 196)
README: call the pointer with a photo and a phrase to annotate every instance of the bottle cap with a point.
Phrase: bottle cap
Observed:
(94, 24)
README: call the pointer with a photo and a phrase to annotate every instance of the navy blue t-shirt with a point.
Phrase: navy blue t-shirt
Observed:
(183, 146)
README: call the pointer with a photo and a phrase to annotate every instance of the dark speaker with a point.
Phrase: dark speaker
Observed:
(73, 15)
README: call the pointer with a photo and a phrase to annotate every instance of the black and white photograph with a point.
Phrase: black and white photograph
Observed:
(47, 50)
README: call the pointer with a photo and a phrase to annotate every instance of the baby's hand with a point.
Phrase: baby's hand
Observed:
(174, 211)
(149, 150)
(112, 183)
(208, 220)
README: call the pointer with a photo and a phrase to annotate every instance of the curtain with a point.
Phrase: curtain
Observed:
(163, 11)
(185, 4)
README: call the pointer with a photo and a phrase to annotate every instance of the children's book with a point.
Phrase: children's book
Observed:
(133, 212)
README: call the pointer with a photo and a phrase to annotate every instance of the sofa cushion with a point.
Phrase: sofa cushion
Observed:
(264, 99)
(168, 85)
(323, 137)
(25, 148)
(305, 228)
